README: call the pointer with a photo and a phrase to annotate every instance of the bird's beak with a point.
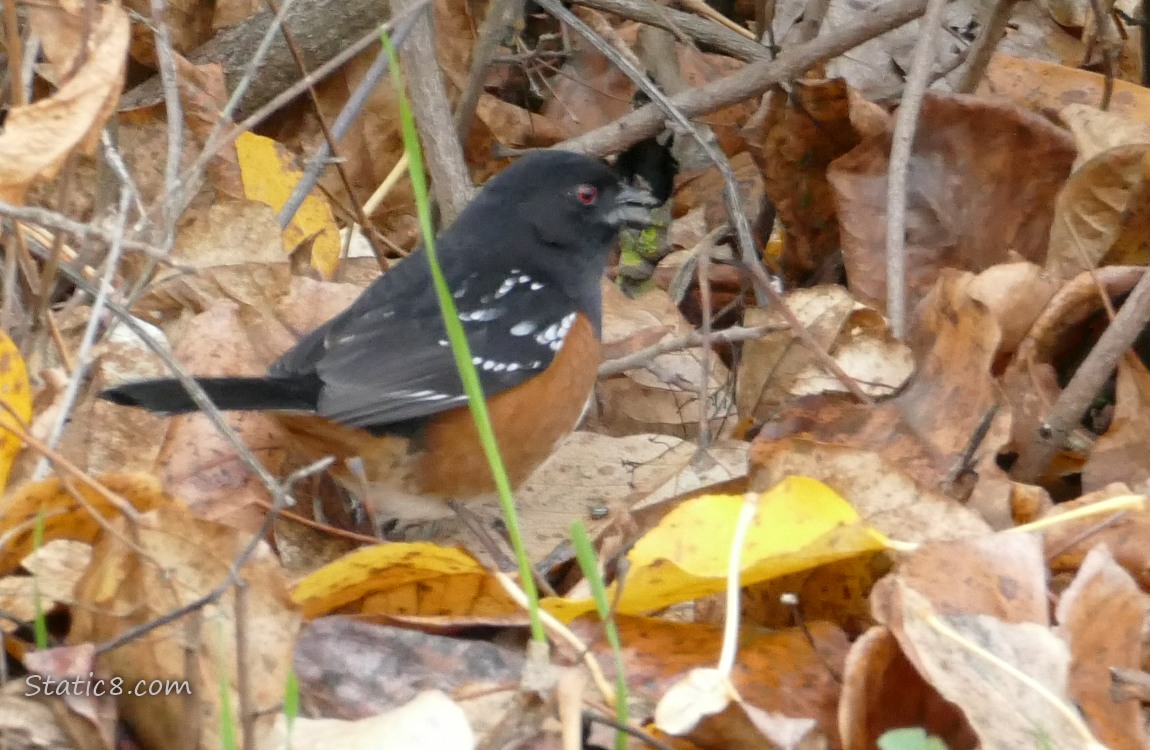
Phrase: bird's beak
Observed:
(632, 208)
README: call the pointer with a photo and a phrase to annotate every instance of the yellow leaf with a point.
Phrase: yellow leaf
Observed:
(269, 177)
(800, 524)
(16, 395)
(66, 517)
(404, 579)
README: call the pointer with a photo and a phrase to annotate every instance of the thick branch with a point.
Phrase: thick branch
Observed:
(751, 81)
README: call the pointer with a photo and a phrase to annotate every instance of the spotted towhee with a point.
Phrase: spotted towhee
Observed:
(378, 382)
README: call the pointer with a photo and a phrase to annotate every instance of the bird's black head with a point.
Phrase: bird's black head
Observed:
(569, 200)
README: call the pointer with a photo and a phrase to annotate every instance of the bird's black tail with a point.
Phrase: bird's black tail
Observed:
(167, 396)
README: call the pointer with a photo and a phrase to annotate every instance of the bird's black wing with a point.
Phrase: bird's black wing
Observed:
(386, 365)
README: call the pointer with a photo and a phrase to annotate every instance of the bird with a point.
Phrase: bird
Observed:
(377, 387)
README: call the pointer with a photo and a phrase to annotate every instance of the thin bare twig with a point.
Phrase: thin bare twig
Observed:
(225, 136)
(80, 231)
(15, 54)
(194, 390)
(331, 140)
(170, 83)
(84, 356)
(752, 80)
(339, 128)
(738, 219)
(233, 577)
(732, 335)
(1105, 31)
(177, 201)
(902, 140)
(765, 285)
(501, 15)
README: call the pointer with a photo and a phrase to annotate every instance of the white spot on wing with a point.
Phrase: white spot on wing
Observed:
(553, 335)
(481, 315)
(523, 328)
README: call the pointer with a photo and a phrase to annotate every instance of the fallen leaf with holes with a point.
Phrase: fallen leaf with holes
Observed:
(346, 667)
(130, 582)
(800, 524)
(1101, 616)
(270, 176)
(72, 509)
(409, 579)
(979, 148)
(15, 404)
(39, 137)
(1008, 679)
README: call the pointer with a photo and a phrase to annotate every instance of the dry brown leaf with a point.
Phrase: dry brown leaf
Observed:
(200, 465)
(663, 395)
(1097, 130)
(38, 137)
(189, 23)
(807, 128)
(84, 712)
(346, 666)
(975, 661)
(150, 568)
(1014, 293)
(1101, 615)
(1120, 454)
(1044, 86)
(882, 493)
(927, 429)
(883, 691)
(1067, 324)
(776, 368)
(1004, 162)
(1003, 576)
(1091, 209)
(777, 672)
(1126, 535)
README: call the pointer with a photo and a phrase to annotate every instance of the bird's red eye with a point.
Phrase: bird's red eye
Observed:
(587, 194)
